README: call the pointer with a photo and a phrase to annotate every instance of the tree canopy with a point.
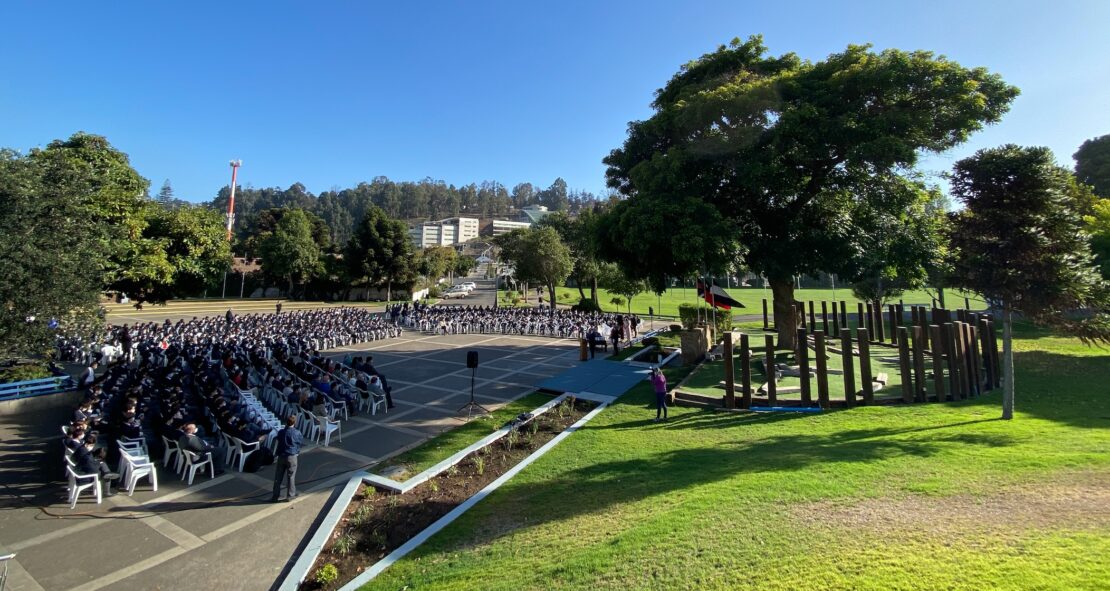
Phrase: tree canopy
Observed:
(1092, 164)
(290, 251)
(786, 151)
(537, 255)
(381, 253)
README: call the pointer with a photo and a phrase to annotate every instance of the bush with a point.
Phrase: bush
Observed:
(688, 314)
(435, 292)
(24, 372)
(327, 574)
(586, 305)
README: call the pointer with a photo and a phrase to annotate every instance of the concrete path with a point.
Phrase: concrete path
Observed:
(220, 533)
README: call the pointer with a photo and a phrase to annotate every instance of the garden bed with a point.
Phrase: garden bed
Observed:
(378, 521)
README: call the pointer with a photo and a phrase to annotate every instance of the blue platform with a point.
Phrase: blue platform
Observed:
(607, 378)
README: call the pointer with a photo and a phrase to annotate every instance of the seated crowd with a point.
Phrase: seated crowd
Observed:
(539, 321)
(184, 382)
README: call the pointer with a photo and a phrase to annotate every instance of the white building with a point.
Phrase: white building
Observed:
(499, 227)
(444, 232)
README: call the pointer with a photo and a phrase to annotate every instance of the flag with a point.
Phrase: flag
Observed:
(716, 296)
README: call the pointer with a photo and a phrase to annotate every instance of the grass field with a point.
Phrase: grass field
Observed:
(667, 304)
(931, 496)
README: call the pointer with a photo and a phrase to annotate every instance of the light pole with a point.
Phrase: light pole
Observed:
(235, 164)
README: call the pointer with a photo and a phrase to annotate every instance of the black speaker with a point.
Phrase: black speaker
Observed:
(472, 359)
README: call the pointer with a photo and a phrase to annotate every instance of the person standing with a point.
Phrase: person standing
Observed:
(229, 316)
(288, 448)
(659, 382)
(278, 307)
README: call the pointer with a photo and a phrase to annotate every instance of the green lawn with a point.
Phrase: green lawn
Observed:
(929, 496)
(751, 297)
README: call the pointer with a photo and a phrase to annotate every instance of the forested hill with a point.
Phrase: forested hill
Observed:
(427, 199)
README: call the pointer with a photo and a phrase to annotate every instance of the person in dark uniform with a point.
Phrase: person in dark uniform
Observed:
(278, 307)
(288, 448)
(229, 316)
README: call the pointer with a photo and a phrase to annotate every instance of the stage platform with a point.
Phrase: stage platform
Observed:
(598, 376)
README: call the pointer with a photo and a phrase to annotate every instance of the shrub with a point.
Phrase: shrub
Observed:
(360, 515)
(344, 544)
(479, 465)
(24, 372)
(586, 305)
(617, 301)
(689, 315)
(435, 292)
(327, 574)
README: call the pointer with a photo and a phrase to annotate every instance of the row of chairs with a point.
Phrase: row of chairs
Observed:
(134, 466)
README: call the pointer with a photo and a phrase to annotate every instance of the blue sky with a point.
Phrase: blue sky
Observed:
(331, 93)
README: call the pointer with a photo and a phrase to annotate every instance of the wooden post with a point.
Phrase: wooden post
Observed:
(895, 324)
(961, 359)
(904, 365)
(847, 359)
(997, 371)
(938, 362)
(825, 316)
(745, 371)
(921, 386)
(862, 339)
(923, 322)
(950, 352)
(812, 318)
(861, 320)
(973, 359)
(803, 366)
(766, 324)
(880, 330)
(822, 368)
(769, 343)
(843, 314)
(800, 310)
(730, 373)
(988, 368)
(835, 319)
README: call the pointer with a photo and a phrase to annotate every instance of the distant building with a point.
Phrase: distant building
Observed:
(532, 213)
(499, 227)
(446, 232)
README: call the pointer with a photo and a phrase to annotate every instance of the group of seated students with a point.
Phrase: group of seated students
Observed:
(513, 321)
(175, 379)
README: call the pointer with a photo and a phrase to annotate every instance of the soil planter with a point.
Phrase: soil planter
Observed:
(379, 520)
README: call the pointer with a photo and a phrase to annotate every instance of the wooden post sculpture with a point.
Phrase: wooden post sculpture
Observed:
(812, 318)
(861, 320)
(920, 382)
(822, 369)
(938, 362)
(849, 367)
(730, 375)
(745, 371)
(880, 331)
(825, 316)
(800, 310)
(769, 364)
(904, 366)
(843, 314)
(988, 369)
(766, 324)
(951, 355)
(803, 366)
(862, 339)
(835, 319)
(895, 324)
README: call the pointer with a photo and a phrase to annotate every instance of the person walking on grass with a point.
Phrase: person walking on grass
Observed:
(659, 382)
(288, 448)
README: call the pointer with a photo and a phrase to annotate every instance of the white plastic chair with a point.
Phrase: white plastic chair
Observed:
(309, 424)
(326, 428)
(80, 482)
(137, 470)
(243, 449)
(192, 465)
(230, 448)
(172, 450)
(129, 452)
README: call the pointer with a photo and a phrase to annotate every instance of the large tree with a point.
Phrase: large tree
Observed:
(54, 252)
(537, 255)
(782, 149)
(195, 243)
(1019, 242)
(1092, 164)
(381, 253)
(290, 251)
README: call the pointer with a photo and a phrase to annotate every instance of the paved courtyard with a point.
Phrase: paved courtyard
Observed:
(221, 533)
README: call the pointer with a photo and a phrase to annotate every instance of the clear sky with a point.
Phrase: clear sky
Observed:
(330, 93)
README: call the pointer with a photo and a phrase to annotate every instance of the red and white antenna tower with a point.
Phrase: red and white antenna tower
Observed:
(235, 164)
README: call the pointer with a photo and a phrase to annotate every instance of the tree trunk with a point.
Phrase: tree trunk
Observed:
(524, 292)
(1007, 364)
(786, 321)
(290, 287)
(389, 291)
(593, 290)
(581, 293)
(551, 293)
(940, 297)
